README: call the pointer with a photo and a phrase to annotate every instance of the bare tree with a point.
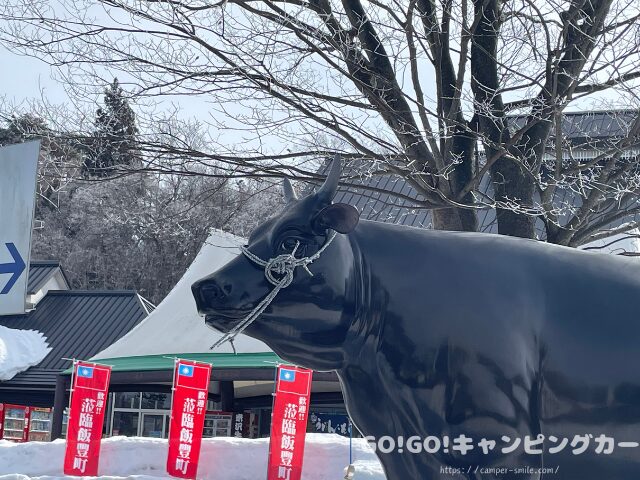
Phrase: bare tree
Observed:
(140, 231)
(444, 94)
(143, 231)
(58, 164)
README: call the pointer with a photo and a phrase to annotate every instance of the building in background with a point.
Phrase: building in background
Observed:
(44, 275)
(76, 324)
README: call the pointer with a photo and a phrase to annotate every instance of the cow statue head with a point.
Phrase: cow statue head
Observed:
(308, 321)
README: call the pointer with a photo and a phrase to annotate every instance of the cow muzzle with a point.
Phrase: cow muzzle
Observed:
(214, 301)
(210, 295)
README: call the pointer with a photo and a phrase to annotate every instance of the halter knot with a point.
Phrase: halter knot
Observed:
(282, 265)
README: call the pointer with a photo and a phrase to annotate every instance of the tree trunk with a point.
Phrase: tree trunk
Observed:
(446, 219)
(455, 219)
(511, 184)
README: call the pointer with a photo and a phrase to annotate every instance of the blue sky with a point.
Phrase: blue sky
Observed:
(25, 78)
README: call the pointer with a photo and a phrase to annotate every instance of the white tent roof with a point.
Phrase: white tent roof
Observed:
(175, 326)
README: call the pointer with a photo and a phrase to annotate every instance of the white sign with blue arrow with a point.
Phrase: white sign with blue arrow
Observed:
(18, 176)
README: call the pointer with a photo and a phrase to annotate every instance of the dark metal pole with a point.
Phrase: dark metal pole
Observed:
(226, 396)
(58, 406)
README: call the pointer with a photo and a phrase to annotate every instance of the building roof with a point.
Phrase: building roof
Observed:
(593, 128)
(40, 271)
(386, 207)
(379, 206)
(77, 324)
(145, 363)
(587, 130)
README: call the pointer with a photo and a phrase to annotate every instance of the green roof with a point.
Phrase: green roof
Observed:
(144, 363)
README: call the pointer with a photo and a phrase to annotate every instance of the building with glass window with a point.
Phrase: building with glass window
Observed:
(240, 395)
(242, 383)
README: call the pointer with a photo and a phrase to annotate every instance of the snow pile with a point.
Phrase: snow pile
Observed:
(175, 326)
(325, 457)
(19, 350)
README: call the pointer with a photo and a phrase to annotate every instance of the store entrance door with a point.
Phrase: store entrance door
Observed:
(154, 425)
(125, 423)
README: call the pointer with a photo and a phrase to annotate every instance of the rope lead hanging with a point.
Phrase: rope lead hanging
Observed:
(284, 265)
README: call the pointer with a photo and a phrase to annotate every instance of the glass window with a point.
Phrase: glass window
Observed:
(152, 425)
(156, 401)
(127, 400)
(125, 423)
(14, 414)
(65, 421)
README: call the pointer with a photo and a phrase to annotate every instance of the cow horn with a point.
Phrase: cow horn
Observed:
(330, 185)
(289, 193)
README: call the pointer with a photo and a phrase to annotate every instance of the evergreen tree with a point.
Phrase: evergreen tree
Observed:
(114, 142)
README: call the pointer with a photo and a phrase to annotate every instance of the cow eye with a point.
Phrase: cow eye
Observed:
(289, 244)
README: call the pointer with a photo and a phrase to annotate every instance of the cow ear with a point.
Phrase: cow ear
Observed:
(340, 217)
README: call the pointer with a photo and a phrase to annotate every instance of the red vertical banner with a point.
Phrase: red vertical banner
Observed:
(188, 407)
(289, 423)
(86, 417)
(1, 419)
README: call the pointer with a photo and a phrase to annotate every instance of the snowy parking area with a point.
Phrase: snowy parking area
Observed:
(223, 458)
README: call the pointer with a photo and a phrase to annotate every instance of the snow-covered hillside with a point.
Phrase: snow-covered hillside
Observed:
(325, 457)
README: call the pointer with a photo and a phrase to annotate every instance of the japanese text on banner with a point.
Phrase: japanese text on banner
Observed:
(86, 417)
(189, 405)
(289, 423)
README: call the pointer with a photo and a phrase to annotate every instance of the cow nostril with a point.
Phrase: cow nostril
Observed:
(213, 291)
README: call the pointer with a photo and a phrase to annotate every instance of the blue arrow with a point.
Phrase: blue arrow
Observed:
(17, 267)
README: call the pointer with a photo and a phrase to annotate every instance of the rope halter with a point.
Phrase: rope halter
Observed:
(279, 272)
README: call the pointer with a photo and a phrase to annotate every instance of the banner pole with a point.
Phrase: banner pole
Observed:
(350, 471)
(73, 375)
(273, 402)
(173, 388)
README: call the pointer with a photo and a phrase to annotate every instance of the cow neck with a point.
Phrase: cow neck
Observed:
(367, 321)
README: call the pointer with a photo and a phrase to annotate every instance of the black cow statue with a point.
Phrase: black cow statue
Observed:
(474, 337)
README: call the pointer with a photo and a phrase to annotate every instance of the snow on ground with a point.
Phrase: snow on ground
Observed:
(19, 350)
(223, 458)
